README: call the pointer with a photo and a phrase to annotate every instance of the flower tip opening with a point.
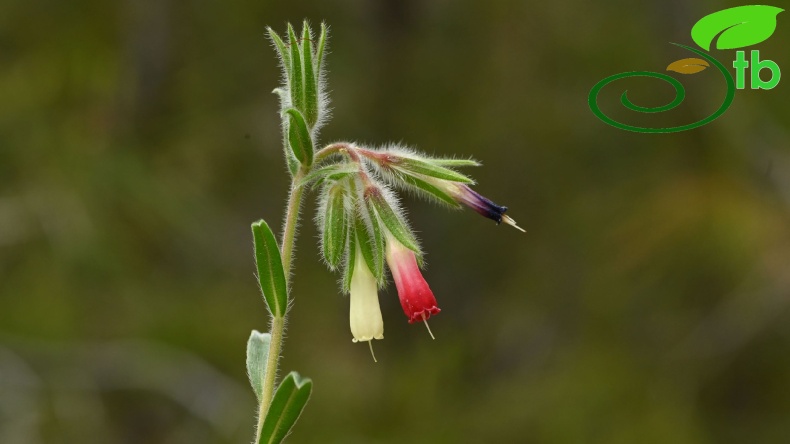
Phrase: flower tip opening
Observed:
(509, 221)
(425, 320)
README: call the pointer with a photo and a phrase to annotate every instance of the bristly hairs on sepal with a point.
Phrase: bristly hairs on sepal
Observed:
(332, 219)
(369, 230)
(349, 256)
(290, 54)
(383, 205)
(416, 183)
(324, 109)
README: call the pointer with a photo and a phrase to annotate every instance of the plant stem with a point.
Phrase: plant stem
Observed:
(278, 325)
(291, 220)
(278, 322)
(330, 149)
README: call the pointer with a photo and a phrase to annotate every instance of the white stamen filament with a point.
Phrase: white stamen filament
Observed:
(509, 220)
(424, 319)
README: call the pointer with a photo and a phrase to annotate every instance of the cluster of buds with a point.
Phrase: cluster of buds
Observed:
(364, 227)
(362, 224)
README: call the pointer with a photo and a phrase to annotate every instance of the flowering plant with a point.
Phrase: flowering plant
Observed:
(362, 225)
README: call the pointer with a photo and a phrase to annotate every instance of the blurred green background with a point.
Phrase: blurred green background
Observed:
(648, 301)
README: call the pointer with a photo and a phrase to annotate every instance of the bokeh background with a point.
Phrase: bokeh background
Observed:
(647, 303)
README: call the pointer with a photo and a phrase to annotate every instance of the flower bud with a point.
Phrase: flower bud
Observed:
(462, 193)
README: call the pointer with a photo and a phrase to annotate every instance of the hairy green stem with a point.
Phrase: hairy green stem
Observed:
(278, 325)
(291, 220)
(278, 322)
(330, 149)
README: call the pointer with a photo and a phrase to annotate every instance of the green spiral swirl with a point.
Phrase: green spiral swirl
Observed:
(680, 94)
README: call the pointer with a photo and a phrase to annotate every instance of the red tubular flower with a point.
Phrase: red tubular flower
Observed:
(415, 295)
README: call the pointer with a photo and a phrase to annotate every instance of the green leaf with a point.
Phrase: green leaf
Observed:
(297, 78)
(415, 166)
(293, 164)
(393, 222)
(257, 354)
(335, 227)
(428, 190)
(299, 137)
(271, 275)
(319, 53)
(351, 254)
(445, 162)
(739, 27)
(282, 52)
(335, 171)
(370, 242)
(286, 407)
(310, 86)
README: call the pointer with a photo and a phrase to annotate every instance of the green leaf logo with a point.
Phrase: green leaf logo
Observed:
(739, 27)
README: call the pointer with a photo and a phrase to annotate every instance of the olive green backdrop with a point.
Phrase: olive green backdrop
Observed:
(648, 301)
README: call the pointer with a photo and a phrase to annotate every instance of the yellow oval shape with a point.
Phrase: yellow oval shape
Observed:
(688, 66)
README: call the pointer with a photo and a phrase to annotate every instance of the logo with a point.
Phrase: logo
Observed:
(732, 28)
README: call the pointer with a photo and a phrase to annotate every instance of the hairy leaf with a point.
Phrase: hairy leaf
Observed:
(415, 166)
(270, 269)
(350, 258)
(394, 222)
(350, 255)
(445, 162)
(310, 85)
(286, 407)
(297, 76)
(299, 137)
(334, 171)
(319, 53)
(282, 52)
(257, 354)
(426, 189)
(335, 227)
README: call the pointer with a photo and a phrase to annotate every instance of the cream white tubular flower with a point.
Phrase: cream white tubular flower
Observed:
(365, 315)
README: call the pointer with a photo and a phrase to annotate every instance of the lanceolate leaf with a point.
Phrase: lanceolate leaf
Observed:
(310, 86)
(408, 165)
(427, 189)
(297, 77)
(739, 27)
(270, 269)
(369, 240)
(394, 223)
(454, 162)
(350, 255)
(285, 56)
(286, 407)
(257, 354)
(319, 53)
(299, 137)
(335, 171)
(335, 227)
